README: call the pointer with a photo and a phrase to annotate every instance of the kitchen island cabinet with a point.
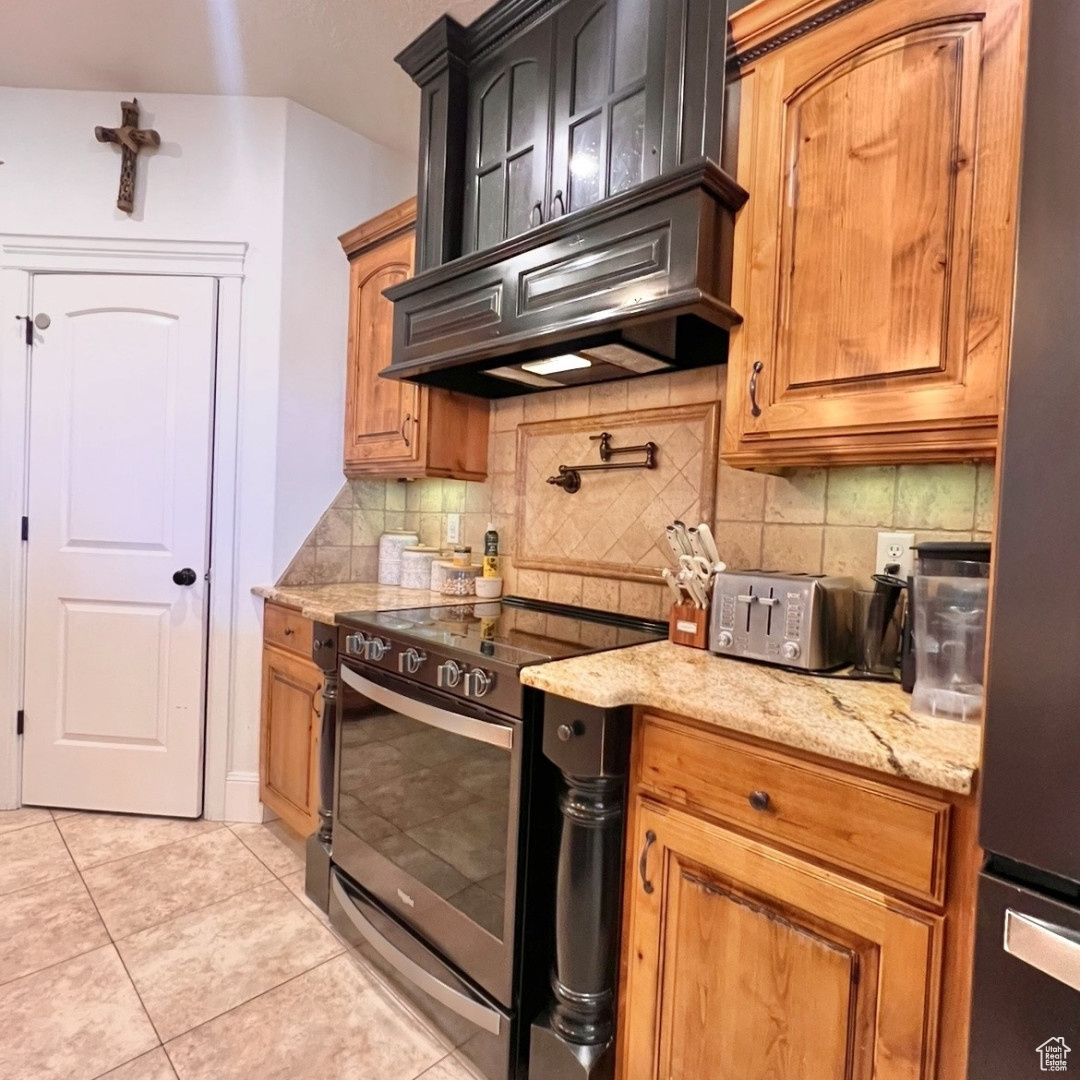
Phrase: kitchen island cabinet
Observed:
(396, 428)
(788, 919)
(874, 262)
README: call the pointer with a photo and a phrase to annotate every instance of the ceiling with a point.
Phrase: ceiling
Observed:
(333, 56)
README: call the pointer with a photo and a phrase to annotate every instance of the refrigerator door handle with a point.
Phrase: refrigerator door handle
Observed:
(1053, 950)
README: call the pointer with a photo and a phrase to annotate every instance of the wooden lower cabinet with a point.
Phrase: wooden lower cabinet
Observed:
(289, 752)
(755, 947)
(748, 963)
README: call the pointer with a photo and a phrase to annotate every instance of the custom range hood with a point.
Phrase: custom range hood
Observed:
(573, 226)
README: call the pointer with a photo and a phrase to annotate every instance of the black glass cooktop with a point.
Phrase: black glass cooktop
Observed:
(512, 630)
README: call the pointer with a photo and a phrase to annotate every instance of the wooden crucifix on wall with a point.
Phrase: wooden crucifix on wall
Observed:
(131, 140)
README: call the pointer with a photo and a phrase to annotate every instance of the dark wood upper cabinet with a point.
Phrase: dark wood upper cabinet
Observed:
(539, 109)
(506, 151)
(570, 195)
(609, 88)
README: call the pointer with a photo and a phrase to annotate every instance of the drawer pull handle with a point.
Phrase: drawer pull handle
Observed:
(404, 425)
(650, 839)
(289, 631)
(755, 408)
(760, 800)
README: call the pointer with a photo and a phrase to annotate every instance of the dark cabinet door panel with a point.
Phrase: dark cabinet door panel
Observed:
(506, 156)
(608, 107)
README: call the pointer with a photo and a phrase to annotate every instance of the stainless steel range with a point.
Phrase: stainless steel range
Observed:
(448, 814)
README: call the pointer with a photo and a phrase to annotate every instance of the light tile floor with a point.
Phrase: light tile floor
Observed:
(135, 948)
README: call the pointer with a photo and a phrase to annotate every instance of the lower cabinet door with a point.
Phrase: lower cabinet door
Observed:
(288, 765)
(745, 963)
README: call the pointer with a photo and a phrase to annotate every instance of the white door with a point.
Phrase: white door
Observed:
(121, 392)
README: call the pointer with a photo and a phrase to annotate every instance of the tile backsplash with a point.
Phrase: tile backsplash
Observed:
(812, 520)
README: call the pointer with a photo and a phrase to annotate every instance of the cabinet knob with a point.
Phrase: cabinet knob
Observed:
(760, 800)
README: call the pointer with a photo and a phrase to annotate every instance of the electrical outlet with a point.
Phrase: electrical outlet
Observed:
(895, 547)
(453, 528)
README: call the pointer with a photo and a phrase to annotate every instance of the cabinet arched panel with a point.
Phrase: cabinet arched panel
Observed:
(873, 265)
(876, 216)
(380, 414)
(506, 155)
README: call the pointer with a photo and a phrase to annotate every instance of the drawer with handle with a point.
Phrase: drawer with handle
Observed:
(895, 837)
(287, 629)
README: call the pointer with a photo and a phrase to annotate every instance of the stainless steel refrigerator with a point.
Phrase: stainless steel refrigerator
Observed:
(1026, 1009)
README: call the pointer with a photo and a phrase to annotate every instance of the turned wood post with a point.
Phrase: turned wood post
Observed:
(575, 1039)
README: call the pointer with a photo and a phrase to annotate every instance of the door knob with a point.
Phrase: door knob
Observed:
(186, 576)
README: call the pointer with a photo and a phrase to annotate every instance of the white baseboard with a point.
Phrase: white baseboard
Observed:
(242, 798)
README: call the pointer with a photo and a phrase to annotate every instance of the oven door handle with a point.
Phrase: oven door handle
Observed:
(473, 1010)
(457, 724)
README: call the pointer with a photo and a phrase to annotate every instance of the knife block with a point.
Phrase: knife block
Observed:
(689, 625)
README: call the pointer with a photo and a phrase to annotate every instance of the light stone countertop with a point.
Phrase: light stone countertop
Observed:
(861, 723)
(323, 603)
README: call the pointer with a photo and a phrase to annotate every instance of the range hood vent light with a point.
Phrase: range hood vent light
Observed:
(568, 362)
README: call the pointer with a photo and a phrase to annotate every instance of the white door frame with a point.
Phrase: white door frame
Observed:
(21, 256)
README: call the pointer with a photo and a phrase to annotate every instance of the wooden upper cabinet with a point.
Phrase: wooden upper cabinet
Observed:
(746, 962)
(392, 427)
(874, 262)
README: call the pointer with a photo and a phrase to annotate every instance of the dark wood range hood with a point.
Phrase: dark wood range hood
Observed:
(573, 224)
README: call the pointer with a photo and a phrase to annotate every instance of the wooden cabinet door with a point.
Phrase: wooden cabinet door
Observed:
(506, 151)
(608, 99)
(874, 261)
(382, 416)
(288, 760)
(744, 963)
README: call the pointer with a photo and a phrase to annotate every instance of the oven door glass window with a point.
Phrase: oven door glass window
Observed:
(430, 790)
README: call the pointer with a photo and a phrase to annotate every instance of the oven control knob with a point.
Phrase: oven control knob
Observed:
(726, 639)
(408, 662)
(477, 682)
(354, 644)
(790, 650)
(375, 648)
(448, 674)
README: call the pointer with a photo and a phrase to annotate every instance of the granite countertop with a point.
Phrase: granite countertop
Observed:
(323, 603)
(861, 723)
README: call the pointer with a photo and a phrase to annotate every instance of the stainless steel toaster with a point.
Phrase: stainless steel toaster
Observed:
(795, 620)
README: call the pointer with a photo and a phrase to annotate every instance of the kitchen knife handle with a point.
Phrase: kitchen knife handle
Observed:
(755, 408)
(643, 868)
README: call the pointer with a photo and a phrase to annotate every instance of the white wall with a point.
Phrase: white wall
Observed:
(334, 180)
(286, 182)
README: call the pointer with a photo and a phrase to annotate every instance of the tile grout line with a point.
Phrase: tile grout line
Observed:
(157, 847)
(112, 945)
(195, 910)
(242, 1004)
(269, 868)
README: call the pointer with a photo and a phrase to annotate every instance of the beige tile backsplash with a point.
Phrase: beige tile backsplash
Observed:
(814, 520)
